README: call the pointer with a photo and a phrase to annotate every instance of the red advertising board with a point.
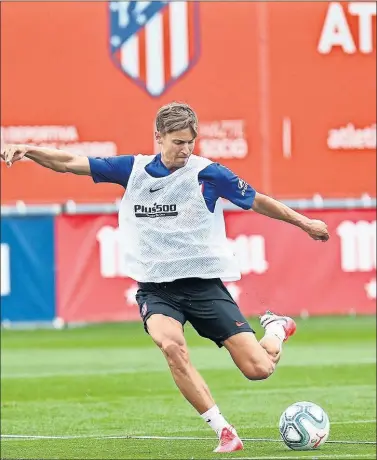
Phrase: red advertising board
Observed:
(285, 91)
(282, 268)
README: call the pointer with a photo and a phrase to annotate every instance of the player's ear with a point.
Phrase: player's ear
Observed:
(158, 137)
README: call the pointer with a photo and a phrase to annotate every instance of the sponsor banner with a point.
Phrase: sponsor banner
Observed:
(282, 268)
(27, 269)
(285, 91)
(57, 137)
(349, 138)
(222, 139)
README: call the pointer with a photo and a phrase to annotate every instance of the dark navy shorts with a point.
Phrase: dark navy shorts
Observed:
(205, 303)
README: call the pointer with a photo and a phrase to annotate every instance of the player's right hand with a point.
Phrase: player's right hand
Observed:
(11, 153)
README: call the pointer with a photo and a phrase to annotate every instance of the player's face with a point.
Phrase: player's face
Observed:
(176, 147)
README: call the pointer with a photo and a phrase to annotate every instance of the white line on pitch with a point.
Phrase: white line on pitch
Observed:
(163, 438)
(316, 456)
(351, 422)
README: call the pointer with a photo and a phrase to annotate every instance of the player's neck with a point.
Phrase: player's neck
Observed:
(168, 165)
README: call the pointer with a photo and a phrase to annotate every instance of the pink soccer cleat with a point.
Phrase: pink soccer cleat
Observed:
(288, 323)
(229, 442)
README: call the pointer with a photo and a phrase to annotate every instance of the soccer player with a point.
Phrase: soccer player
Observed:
(176, 249)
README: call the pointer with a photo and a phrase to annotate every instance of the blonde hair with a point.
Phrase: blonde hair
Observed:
(175, 117)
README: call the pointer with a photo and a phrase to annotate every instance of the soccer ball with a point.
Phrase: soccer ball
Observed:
(304, 426)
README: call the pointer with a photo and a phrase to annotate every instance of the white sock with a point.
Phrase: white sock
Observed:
(276, 329)
(216, 421)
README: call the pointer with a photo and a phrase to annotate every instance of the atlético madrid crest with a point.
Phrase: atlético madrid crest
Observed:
(154, 43)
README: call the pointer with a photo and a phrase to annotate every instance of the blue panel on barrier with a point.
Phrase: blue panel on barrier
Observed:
(27, 268)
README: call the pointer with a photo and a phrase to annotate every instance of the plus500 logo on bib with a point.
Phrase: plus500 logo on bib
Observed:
(157, 210)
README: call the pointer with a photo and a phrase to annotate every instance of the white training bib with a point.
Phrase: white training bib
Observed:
(167, 230)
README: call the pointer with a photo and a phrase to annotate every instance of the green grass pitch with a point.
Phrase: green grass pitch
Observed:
(86, 392)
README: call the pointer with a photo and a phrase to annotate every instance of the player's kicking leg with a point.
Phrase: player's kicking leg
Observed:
(257, 360)
(167, 333)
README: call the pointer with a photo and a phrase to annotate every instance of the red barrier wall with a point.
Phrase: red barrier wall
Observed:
(283, 269)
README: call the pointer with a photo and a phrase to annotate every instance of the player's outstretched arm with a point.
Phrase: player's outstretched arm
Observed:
(57, 160)
(267, 206)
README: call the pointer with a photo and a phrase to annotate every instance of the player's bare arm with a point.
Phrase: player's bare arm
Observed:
(57, 160)
(269, 207)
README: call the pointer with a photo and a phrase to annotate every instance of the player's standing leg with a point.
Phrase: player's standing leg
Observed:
(167, 333)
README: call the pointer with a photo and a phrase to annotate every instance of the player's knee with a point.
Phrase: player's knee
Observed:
(259, 371)
(176, 354)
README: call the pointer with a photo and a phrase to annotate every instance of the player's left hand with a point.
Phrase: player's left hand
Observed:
(317, 230)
